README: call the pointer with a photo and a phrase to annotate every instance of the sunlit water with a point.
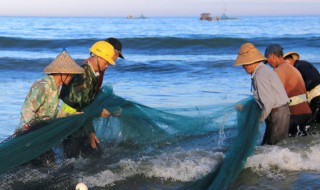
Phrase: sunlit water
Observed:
(181, 65)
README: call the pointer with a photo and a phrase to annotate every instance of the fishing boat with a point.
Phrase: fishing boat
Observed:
(225, 17)
(140, 17)
(208, 17)
(205, 16)
(130, 17)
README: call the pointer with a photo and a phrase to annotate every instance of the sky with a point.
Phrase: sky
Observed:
(155, 8)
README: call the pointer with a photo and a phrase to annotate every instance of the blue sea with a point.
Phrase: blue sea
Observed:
(178, 65)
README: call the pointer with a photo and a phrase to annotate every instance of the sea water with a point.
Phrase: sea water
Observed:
(179, 65)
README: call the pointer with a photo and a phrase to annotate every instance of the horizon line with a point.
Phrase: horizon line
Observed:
(96, 16)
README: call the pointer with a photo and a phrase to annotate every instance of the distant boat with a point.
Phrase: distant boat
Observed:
(225, 17)
(130, 17)
(206, 16)
(140, 17)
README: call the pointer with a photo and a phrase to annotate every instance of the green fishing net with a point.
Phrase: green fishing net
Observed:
(242, 147)
(132, 124)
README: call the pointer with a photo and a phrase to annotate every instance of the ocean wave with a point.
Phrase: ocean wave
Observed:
(30, 43)
(129, 66)
(196, 44)
(181, 165)
(34, 65)
(149, 54)
(275, 161)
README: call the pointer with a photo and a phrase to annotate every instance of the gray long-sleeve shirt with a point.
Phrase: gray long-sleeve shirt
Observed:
(268, 90)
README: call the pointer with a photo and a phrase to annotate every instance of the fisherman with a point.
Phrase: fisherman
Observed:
(268, 92)
(42, 100)
(311, 77)
(118, 48)
(293, 83)
(82, 90)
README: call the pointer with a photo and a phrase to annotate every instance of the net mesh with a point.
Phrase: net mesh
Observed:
(134, 124)
(242, 147)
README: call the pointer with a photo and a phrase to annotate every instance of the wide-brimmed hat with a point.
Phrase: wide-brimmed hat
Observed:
(248, 54)
(295, 56)
(63, 64)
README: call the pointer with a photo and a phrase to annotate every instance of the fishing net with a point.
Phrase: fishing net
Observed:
(131, 124)
(243, 146)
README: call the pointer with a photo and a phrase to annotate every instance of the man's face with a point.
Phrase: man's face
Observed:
(103, 64)
(67, 78)
(116, 55)
(249, 68)
(272, 60)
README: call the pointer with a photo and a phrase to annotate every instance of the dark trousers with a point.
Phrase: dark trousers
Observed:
(299, 124)
(277, 125)
(45, 159)
(79, 145)
(315, 107)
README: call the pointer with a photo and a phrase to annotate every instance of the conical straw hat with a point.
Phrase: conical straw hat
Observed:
(63, 63)
(248, 54)
(295, 55)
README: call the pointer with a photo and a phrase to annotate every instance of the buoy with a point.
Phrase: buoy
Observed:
(81, 186)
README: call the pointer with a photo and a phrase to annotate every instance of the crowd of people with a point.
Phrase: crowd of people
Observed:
(288, 95)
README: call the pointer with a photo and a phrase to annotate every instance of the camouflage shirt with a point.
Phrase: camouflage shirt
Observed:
(42, 101)
(82, 89)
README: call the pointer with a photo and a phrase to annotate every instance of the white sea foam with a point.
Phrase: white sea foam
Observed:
(183, 166)
(180, 165)
(273, 161)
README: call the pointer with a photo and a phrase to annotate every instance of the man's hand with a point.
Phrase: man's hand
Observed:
(94, 140)
(239, 107)
(105, 113)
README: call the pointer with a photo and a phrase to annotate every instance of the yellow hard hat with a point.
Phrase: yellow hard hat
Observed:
(104, 50)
